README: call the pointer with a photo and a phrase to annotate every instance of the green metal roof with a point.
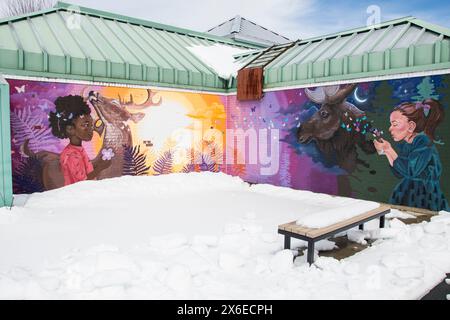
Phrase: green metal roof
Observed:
(398, 46)
(86, 44)
(106, 47)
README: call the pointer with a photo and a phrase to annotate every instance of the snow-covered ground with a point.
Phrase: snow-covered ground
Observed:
(201, 236)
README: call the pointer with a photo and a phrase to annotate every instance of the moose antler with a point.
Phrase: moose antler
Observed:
(322, 94)
(316, 96)
(341, 94)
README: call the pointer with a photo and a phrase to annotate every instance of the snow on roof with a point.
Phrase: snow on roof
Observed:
(220, 58)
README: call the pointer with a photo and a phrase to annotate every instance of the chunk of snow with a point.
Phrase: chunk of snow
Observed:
(399, 215)
(219, 57)
(112, 261)
(282, 261)
(435, 228)
(233, 228)
(352, 268)
(325, 245)
(172, 241)
(358, 236)
(111, 278)
(229, 261)
(210, 241)
(329, 217)
(397, 224)
(179, 278)
(384, 233)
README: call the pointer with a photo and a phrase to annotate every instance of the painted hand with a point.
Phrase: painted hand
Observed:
(382, 146)
(379, 147)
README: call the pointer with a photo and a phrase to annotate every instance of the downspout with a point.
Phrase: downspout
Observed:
(6, 190)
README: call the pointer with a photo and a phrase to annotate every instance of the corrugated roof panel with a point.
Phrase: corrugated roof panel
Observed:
(242, 29)
(370, 41)
(157, 47)
(137, 35)
(289, 55)
(127, 35)
(386, 42)
(408, 37)
(336, 47)
(75, 39)
(99, 41)
(8, 41)
(320, 50)
(26, 36)
(172, 52)
(256, 31)
(428, 38)
(182, 44)
(302, 55)
(127, 49)
(114, 44)
(224, 29)
(45, 36)
(351, 45)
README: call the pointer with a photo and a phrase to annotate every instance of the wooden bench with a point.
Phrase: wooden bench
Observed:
(292, 230)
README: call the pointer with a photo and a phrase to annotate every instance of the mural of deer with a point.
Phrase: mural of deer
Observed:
(114, 116)
(334, 142)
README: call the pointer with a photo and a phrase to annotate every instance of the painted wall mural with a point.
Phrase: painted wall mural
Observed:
(386, 141)
(66, 133)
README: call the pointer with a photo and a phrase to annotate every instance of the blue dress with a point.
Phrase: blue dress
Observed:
(419, 166)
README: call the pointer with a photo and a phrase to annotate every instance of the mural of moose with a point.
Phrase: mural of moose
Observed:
(327, 127)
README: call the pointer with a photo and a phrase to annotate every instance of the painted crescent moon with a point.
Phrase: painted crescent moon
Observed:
(358, 99)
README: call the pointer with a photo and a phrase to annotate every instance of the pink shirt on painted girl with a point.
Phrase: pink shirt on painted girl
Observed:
(75, 164)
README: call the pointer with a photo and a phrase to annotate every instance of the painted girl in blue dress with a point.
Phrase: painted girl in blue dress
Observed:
(417, 161)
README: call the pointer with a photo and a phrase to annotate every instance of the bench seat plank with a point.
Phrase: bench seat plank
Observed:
(314, 233)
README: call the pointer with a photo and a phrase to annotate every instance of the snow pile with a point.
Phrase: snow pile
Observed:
(332, 216)
(220, 58)
(201, 236)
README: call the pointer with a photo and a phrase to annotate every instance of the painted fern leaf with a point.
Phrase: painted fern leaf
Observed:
(26, 126)
(27, 177)
(208, 165)
(134, 162)
(164, 165)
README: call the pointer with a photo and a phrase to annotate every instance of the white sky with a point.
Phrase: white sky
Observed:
(296, 19)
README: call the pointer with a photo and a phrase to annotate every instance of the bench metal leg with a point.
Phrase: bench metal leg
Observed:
(287, 242)
(361, 227)
(311, 252)
(382, 221)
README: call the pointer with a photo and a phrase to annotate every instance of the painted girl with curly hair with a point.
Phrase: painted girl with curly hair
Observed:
(72, 120)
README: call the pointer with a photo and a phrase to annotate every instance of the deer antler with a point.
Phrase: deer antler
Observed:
(342, 94)
(317, 96)
(148, 103)
(330, 91)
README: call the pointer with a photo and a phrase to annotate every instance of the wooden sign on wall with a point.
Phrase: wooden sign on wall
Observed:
(250, 84)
